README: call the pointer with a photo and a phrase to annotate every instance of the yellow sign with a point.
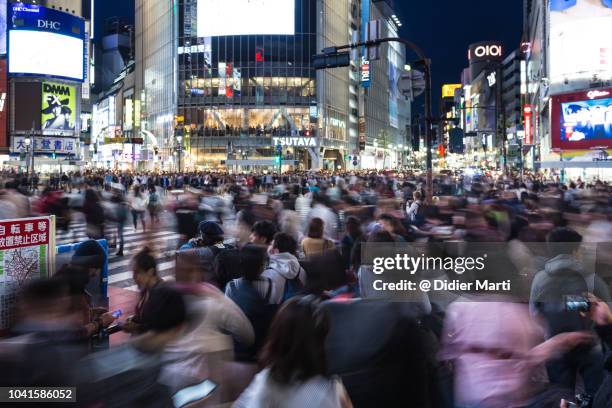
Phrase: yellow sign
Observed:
(448, 90)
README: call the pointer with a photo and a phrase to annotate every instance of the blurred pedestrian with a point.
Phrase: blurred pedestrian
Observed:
(315, 243)
(298, 378)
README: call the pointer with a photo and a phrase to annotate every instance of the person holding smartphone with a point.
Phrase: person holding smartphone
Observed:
(599, 312)
(145, 275)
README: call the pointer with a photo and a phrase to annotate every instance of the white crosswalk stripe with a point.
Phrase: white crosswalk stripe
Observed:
(163, 243)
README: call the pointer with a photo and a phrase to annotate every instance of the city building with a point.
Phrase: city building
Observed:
(221, 88)
(512, 104)
(568, 52)
(481, 106)
(46, 93)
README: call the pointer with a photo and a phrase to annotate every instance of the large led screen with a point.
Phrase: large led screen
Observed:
(2, 27)
(586, 120)
(245, 17)
(580, 44)
(582, 120)
(45, 53)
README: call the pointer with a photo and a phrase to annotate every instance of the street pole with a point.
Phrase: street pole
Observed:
(429, 135)
(426, 63)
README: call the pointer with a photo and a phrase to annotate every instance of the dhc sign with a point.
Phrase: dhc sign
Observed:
(49, 25)
(295, 141)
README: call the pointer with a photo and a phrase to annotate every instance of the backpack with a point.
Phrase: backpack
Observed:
(419, 217)
(256, 308)
(293, 287)
(153, 198)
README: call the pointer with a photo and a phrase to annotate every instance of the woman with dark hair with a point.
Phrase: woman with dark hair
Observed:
(315, 243)
(393, 226)
(295, 373)
(145, 275)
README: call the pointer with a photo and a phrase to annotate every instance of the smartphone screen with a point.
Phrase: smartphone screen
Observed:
(117, 313)
(193, 393)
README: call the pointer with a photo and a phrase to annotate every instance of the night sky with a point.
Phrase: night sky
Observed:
(444, 29)
(111, 8)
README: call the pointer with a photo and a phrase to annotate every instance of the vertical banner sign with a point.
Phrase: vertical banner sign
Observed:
(237, 81)
(26, 253)
(58, 113)
(366, 69)
(229, 90)
(528, 116)
(222, 78)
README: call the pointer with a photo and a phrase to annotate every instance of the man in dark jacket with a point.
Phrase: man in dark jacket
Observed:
(380, 352)
(564, 275)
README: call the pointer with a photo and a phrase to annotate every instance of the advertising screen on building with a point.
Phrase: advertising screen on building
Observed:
(3, 103)
(580, 41)
(2, 27)
(245, 17)
(45, 42)
(58, 114)
(582, 120)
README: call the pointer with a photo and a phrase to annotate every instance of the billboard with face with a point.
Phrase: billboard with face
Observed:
(58, 108)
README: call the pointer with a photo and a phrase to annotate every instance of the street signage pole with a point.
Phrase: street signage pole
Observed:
(327, 60)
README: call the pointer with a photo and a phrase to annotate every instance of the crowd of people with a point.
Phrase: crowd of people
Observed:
(272, 294)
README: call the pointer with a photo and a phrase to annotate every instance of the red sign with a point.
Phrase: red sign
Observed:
(24, 233)
(528, 124)
(229, 91)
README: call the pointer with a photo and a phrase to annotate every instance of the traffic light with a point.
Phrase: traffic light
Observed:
(277, 160)
(331, 60)
(53, 155)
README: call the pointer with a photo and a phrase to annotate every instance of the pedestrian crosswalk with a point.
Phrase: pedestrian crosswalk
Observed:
(163, 242)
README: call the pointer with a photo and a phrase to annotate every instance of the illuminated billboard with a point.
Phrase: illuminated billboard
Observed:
(2, 27)
(580, 42)
(582, 120)
(58, 108)
(245, 17)
(45, 42)
(448, 90)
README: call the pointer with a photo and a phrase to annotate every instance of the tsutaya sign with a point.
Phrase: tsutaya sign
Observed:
(295, 141)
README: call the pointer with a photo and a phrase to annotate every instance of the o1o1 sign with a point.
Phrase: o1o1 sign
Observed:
(485, 51)
(488, 51)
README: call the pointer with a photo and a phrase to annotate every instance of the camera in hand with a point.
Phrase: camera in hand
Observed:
(575, 303)
(582, 401)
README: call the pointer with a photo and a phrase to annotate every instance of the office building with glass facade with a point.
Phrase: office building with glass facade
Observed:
(218, 92)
